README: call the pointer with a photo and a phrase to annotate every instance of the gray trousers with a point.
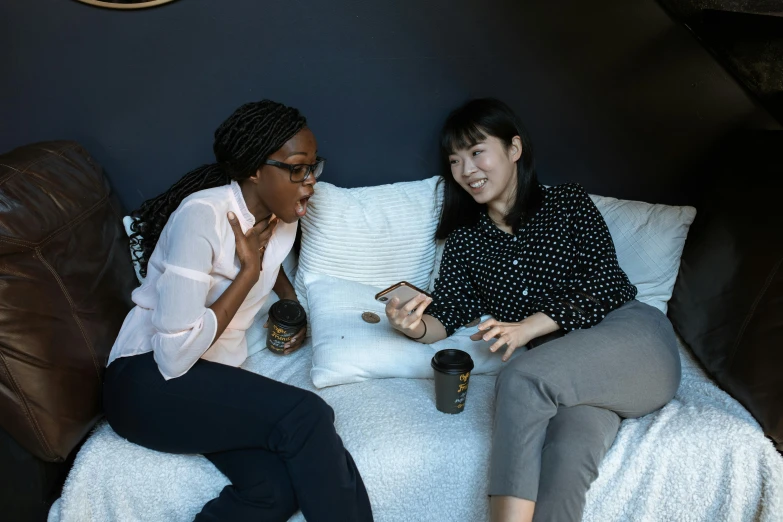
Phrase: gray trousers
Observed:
(558, 407)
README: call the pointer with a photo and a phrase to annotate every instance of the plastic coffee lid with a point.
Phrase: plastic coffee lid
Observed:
(452, 361)
(287, 312)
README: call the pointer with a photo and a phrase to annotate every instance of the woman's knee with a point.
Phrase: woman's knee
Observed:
(317, 408)
(311, 418)
(516, 382)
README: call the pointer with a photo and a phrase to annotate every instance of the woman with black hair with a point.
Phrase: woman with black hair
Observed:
(542, 263)
(211, 249)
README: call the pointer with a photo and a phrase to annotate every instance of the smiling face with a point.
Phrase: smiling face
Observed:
(487, 170)
(270, 189)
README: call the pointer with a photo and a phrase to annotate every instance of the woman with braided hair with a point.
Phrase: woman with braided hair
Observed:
(211, 248)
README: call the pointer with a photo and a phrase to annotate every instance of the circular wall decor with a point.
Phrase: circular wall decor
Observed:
(127, 4)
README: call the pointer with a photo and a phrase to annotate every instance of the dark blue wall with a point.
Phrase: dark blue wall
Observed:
(615, 94)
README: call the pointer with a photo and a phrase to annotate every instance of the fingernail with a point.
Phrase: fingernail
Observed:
(484, 337)
(231, 215)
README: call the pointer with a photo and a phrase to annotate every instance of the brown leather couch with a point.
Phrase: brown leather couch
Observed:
(65, 284)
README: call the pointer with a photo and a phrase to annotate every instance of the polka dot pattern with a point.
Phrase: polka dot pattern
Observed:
(561, 263)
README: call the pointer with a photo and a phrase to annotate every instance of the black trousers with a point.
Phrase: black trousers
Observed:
(276, 443)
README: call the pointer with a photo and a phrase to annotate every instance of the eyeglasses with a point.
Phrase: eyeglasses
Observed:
(300, 172)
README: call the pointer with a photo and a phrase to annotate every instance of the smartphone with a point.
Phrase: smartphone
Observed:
(403, 290)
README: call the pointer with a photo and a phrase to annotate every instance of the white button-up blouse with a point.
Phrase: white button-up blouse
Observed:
(193, 263)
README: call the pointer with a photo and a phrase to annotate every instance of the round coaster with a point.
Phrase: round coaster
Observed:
(370, 317)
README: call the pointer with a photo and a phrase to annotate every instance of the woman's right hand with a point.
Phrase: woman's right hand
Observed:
(250, 245)
(407, 318)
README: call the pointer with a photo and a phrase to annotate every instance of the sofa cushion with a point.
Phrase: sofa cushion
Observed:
(648, 239)
(728, 300)
(66, 283)
(373, 235)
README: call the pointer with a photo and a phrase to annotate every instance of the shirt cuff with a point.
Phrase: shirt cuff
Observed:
(438, 314)
(210, 324)
(170, 359)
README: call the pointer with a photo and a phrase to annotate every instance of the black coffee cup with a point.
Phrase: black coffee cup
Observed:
(452, 373)
(286, 318)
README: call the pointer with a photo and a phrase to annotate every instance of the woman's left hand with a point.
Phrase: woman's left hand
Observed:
(513, 335)
(296, 341)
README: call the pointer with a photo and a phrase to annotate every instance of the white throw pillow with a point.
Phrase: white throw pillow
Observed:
(373, 235)
(649, 240)
(347, 349)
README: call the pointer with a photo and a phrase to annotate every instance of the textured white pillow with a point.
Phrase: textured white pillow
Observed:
(373, 235)
(347, 349)
(649, 240)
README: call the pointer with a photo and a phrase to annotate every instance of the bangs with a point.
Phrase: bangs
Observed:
(460, 135)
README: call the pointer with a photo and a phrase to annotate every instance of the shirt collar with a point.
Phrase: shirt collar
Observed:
(487, 226)
(245, 217)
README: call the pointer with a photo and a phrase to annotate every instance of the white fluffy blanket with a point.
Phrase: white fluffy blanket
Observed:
(701, 458)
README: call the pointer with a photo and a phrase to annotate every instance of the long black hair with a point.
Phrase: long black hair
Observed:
(242, 142)
(470, 124)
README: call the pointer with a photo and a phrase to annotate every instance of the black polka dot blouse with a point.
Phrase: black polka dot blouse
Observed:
(561, 263)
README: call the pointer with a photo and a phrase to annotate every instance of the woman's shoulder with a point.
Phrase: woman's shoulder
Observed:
(565, 191)
(208, 201)
(462, 239)
(213, 197)
(463, 233)
(568, 197)
(201, 209)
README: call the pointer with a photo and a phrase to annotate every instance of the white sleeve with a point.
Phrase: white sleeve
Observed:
(184, 327)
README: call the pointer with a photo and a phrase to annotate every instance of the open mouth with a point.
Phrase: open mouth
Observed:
(301, 206)
(478, 184)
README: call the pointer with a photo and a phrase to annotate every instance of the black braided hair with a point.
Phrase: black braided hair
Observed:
(242, 142)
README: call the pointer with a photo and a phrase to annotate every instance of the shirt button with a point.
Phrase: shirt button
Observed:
(516, 262)
(524, 292)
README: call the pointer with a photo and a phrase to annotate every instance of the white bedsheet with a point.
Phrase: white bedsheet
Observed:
(701, 458)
